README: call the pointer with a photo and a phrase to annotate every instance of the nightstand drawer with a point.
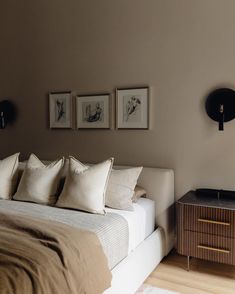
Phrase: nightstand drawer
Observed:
(215, 221)
(209, 247)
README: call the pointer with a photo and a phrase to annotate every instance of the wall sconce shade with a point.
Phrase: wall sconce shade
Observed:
(7, 113)
(220, 106)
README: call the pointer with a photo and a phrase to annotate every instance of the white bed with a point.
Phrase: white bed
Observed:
(131, 272)
(151, 230)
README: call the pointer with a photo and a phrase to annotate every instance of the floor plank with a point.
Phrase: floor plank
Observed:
(203, 278)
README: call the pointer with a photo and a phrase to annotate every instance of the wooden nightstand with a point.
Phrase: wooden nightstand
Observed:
(206, 227)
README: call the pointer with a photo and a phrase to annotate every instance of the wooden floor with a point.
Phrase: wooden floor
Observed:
(203, 278)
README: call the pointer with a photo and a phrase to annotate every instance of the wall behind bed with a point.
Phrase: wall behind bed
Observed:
(182, 49)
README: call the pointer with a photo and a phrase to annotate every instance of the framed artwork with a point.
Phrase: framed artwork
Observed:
(60, 104)
(132, 108)
(93, 111)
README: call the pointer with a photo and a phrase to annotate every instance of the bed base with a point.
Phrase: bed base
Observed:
(132, 271)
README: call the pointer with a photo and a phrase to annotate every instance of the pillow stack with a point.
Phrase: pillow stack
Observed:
(86, 188)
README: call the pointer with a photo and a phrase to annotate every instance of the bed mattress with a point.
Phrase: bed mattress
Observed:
(141, 221)
(119, 231)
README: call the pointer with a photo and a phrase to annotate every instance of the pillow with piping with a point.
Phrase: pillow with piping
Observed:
(85, 186)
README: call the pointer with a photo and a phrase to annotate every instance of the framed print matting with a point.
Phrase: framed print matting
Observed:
(60, 104)
(132, 108)
(93, 111)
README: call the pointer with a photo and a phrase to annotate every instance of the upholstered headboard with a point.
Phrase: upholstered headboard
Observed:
(159, 184)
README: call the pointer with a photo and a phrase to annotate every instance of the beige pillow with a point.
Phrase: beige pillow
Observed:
(138, 193)
(63, 173)
(85, 186)
(8, 175)
(39, 182)
(121, 188)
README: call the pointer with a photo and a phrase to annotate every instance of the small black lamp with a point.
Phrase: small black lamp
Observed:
(7, 113)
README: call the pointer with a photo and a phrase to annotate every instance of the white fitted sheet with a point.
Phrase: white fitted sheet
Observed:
(141, 221)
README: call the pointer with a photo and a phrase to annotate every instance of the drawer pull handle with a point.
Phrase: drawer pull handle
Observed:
(213, 249)
(208, 221)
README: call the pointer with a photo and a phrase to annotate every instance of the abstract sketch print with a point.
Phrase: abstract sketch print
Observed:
(60, 110)
(93, 112)
(131, 111)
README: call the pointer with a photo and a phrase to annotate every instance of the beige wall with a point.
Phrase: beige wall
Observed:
(181, 48)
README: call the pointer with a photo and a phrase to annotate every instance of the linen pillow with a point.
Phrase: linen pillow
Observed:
(121, 188)
(39, 182)
(63, 173)
(8, 175)
(138, 193)
(85, 186)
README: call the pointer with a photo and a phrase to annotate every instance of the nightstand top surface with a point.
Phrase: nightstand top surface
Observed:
(191, 198)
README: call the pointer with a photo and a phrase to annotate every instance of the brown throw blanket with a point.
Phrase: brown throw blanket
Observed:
(45, 257)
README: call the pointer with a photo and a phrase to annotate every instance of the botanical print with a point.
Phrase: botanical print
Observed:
(131, 108)
(60, 110)
(93, 112)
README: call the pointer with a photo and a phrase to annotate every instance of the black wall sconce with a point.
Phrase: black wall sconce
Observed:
(220, 106)
(7, 113)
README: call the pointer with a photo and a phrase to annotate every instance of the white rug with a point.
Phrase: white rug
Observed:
(147, 289)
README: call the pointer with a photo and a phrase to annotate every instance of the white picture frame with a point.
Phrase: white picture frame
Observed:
(132, 108)
(93, 111)
(60, 110)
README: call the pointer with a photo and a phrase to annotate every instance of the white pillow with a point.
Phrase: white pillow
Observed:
(85, 186)
(8, 175)
(121, 187)
(39, 182)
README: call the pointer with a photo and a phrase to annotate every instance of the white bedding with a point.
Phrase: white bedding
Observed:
(141, 221)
